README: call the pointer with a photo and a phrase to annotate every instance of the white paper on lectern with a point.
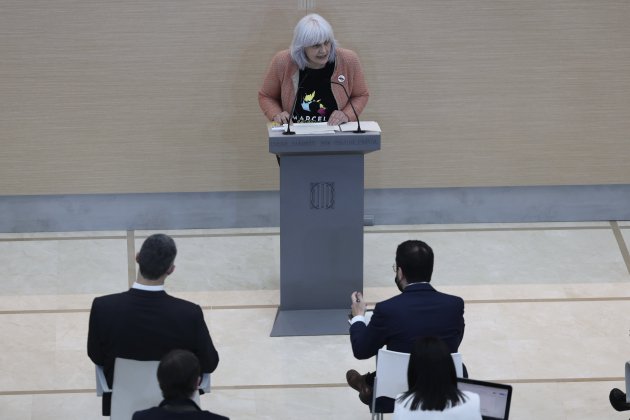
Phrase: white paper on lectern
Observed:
(324, 128)
(365, 125)
(313, 129)
(309, 128)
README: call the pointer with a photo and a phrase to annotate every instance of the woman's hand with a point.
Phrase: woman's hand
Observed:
(337, 117)
(281, 118)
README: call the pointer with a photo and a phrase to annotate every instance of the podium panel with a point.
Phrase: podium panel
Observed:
(321, 229)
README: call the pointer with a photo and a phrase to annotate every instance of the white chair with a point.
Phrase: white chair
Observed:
(391, 375)
(459, 365)
(135, 387)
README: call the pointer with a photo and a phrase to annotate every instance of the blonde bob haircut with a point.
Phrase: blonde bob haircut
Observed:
(311, 30)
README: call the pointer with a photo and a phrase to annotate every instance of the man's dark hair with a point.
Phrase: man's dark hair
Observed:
(415, 258)
(178, 374)
(156, 256)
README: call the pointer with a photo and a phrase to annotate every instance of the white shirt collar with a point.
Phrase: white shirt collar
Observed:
(157, 288)
(418, 282)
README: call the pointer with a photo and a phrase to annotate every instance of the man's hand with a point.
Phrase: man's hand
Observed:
(358, 304)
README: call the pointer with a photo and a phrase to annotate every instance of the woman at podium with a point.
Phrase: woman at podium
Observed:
(314, 80)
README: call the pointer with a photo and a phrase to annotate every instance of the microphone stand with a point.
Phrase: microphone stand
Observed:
(288, 130)
(297, 92)
(358, 130)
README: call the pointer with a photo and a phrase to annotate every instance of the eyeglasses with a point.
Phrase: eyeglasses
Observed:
(395, 268)
(324, 44)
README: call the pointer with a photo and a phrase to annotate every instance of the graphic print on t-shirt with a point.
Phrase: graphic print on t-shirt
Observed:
(311, 104)
(314, 101)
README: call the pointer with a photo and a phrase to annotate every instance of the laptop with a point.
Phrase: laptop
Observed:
(495, 398)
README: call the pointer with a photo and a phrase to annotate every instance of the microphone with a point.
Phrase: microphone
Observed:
(297, 92)
(358, 130)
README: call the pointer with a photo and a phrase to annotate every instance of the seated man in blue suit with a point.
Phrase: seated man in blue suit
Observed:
(178, 375)
(418, 311)
(145, 323)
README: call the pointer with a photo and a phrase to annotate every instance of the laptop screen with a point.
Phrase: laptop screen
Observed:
(494, 398)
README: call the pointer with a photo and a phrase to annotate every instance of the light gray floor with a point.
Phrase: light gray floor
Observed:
(546, 310)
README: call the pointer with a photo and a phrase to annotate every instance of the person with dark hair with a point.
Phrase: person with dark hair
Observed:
(433, 392)
(418, 311)
(178, 375)
(156, 257)
(145, 323)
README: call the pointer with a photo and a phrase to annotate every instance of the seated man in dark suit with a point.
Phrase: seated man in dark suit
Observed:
(178, 375)
(418, 311)
(145, 323)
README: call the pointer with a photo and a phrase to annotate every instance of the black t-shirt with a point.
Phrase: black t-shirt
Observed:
(314, 100)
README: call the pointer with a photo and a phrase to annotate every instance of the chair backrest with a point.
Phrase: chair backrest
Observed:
(101, 382)
(459, 365)
(135, 387)
(391, 372)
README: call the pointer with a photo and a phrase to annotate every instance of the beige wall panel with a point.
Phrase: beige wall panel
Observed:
(136, 96)
(489, 93)
(157, 95)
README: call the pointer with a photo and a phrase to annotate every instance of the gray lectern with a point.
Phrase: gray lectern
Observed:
(321, 229)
